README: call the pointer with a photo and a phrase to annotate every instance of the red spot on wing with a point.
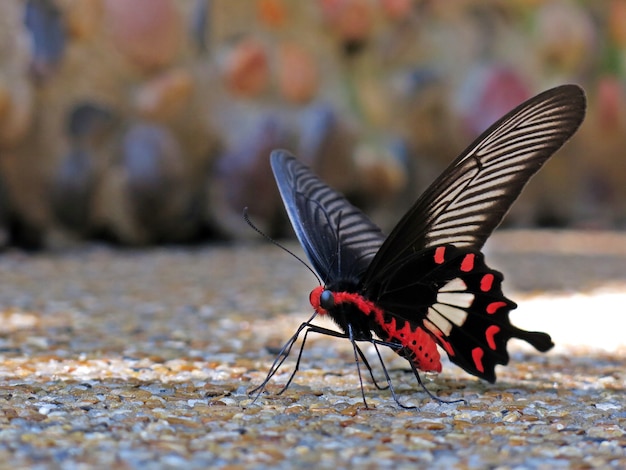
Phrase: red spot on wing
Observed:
(477, 356)
(440, 254)
(468, 262)
(490, 333)
(493, 307)
(486, 282)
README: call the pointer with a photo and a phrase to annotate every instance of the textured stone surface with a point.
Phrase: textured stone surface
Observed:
(142, 359)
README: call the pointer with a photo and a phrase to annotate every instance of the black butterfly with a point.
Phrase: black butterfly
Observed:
(427, 284)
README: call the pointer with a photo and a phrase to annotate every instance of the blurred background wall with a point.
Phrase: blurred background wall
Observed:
(151, 121)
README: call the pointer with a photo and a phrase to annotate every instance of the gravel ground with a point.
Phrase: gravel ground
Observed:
(142, 359)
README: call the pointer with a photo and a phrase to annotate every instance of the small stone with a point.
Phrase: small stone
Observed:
(148, 32)
(298, 75)
(164, 96)
(16, 111)
(245, 68)
(83, 17)
(44, 21)
(608, 431)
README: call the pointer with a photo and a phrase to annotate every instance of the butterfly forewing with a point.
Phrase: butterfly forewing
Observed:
(339, 240)
(470, 198)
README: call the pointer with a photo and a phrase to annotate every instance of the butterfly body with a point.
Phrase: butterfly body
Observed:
(359, 317)
(427, 283)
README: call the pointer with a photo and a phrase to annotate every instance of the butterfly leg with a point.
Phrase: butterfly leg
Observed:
(396, 347)
(389, 384)
(311, 328)
(358, 366)
(357, 351)
(428, 392)
(280, 358)
(369, 368)
(286, 350)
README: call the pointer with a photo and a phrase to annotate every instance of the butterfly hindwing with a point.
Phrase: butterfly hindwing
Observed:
(339, 240)
(453, 295)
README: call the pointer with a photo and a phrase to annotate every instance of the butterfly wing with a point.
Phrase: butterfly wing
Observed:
(420, 274)
(339, 240)
(467, 202)
(459, 302)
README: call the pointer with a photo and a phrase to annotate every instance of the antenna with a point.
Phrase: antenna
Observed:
(274, 242)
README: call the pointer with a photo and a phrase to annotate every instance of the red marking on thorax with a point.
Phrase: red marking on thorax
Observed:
(364, 305)
(493, 307)
(490, 332)
(477, 356)
(440, 252)
(416, 340)
(486, 282)
(468, 262)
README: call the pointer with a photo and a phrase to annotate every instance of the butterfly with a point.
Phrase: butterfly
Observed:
(426, 285)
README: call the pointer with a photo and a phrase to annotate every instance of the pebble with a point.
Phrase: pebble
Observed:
(83, 17)
(242, 178)
(148, 197)
(564, 44)
(245, 68)
(16, 90)
(298, 74)
(45, 24)
(164, 96)
(147, 32)
(71, 191)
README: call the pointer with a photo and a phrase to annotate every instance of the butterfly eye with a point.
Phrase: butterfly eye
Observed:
(327, 300)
